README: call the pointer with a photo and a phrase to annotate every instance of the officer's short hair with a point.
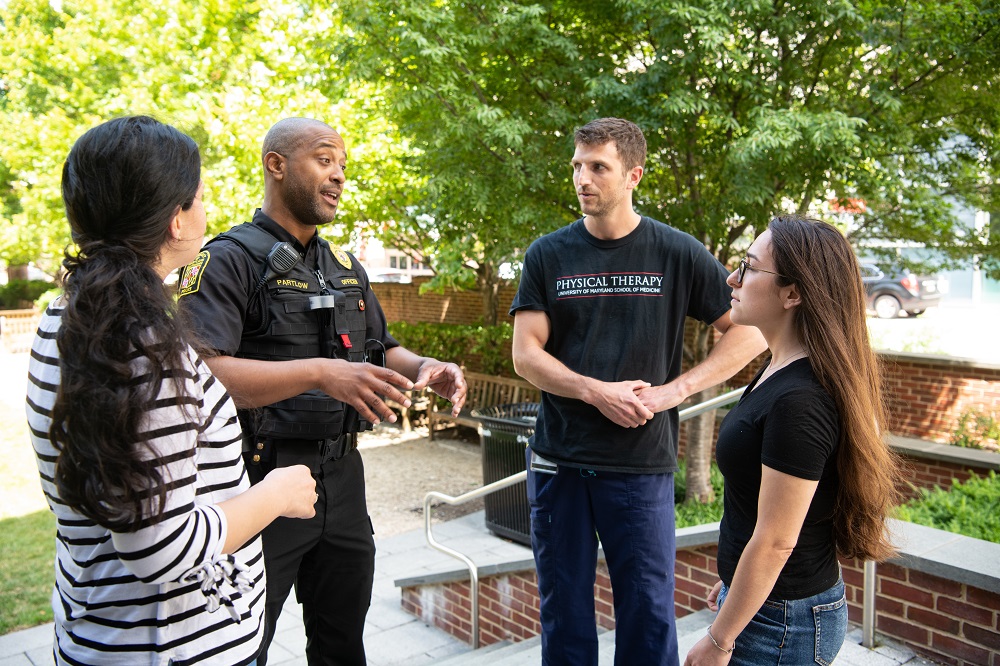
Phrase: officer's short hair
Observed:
(286, 135)
(626, 136)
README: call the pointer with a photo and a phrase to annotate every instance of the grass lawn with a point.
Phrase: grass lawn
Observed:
(27, 527)
(27, 549)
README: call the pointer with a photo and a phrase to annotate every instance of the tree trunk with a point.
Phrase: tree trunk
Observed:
(489, 288)
(700, 437)
(700, 429)
(17, 272)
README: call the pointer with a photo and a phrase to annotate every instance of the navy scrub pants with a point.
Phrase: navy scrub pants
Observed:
(634, 516)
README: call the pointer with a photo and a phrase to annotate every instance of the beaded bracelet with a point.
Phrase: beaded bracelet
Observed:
(716, 643)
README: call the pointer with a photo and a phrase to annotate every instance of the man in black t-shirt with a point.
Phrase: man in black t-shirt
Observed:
(290, 320)
(599, 328)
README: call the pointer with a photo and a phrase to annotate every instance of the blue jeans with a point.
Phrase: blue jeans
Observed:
(797, 632)
(634, 516)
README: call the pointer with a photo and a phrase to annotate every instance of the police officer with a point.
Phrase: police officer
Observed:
(300, 343)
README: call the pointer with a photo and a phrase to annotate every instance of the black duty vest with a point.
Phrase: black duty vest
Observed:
(308, 312)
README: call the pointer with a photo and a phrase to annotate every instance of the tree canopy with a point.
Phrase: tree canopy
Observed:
(459, 116)
(750, 107)
(223, 71)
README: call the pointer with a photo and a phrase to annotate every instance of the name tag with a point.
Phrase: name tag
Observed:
(294, 284)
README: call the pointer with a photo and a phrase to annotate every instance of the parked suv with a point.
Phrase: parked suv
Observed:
(892, 291)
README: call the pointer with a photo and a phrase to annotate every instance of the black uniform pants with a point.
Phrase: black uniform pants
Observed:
(331, 561)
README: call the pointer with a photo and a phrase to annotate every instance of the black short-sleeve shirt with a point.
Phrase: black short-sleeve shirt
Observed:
(617, 310)
(790, 424)
(217, 307)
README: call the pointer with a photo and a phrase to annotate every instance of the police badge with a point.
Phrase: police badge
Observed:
(342, 257)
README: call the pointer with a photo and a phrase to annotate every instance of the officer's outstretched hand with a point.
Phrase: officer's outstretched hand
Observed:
(296, 485)
(365, 387)
(445, 379)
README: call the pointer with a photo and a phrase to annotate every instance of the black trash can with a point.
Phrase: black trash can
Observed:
(504, 436)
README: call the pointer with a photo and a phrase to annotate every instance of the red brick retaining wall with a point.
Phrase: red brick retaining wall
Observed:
(926, 395)
(948, 622)
(930, 474)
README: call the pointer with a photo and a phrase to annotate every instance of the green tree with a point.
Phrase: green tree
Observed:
(483, 96)
(223, 71)
(750, 107)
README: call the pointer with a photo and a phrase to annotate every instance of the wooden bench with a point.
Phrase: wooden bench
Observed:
(484, 391)
(419, 402)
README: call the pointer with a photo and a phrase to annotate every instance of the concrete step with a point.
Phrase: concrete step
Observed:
(690, 629)
(505, 654)
(529, 653)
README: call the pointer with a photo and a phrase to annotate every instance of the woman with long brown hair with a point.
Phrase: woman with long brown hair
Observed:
(808, 475)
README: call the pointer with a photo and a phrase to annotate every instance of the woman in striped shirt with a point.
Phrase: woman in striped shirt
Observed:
(137, 444)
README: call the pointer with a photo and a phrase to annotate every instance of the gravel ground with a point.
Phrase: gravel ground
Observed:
(400, 468)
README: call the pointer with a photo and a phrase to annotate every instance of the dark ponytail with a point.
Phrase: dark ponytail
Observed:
(119, 337)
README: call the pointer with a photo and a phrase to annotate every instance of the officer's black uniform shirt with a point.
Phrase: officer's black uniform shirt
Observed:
(217, 306)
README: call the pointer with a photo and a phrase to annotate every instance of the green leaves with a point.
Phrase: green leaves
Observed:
(459, 116)
(971, 508)
(222, 71)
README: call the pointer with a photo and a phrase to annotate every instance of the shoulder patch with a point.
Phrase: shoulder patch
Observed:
(342, 257)
(191, 277)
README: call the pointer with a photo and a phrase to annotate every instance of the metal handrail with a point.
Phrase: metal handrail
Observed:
(683, 415)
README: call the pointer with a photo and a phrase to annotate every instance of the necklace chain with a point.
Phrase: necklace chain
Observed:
(790, 359)
(773, 369)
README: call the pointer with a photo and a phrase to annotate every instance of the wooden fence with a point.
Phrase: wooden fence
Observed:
(17, 330)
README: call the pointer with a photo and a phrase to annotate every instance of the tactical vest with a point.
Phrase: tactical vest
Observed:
(308, 312)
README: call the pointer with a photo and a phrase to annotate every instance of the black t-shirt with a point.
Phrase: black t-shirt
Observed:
(791, 424)
(617, 311)
(217, 301)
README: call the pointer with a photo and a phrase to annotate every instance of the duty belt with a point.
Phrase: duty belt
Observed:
(335, 449)
(310, 452)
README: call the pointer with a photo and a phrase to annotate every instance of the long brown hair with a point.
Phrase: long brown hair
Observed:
(830, 321)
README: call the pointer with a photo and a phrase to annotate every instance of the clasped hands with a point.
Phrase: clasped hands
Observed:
(631, 404)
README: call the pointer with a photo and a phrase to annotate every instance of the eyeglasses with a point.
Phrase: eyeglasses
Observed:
(745, 266)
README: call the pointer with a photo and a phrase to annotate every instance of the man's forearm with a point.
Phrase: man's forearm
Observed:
(404, 361)
(254, 383)
(549, 374)
(732, 352)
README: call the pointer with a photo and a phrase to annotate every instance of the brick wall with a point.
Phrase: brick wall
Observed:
(946, 621)
(404, 302)
(926, 395)
(508, 606)
(919, 473)
(949, 622)
(695, 574)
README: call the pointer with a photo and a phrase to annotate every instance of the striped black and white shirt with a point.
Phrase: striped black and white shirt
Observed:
(164, 594)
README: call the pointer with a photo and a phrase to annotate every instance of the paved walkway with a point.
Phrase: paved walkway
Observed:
(392, 636)
(396, 638)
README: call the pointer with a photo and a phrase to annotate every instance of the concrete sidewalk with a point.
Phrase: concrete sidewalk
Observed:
(392, 636)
